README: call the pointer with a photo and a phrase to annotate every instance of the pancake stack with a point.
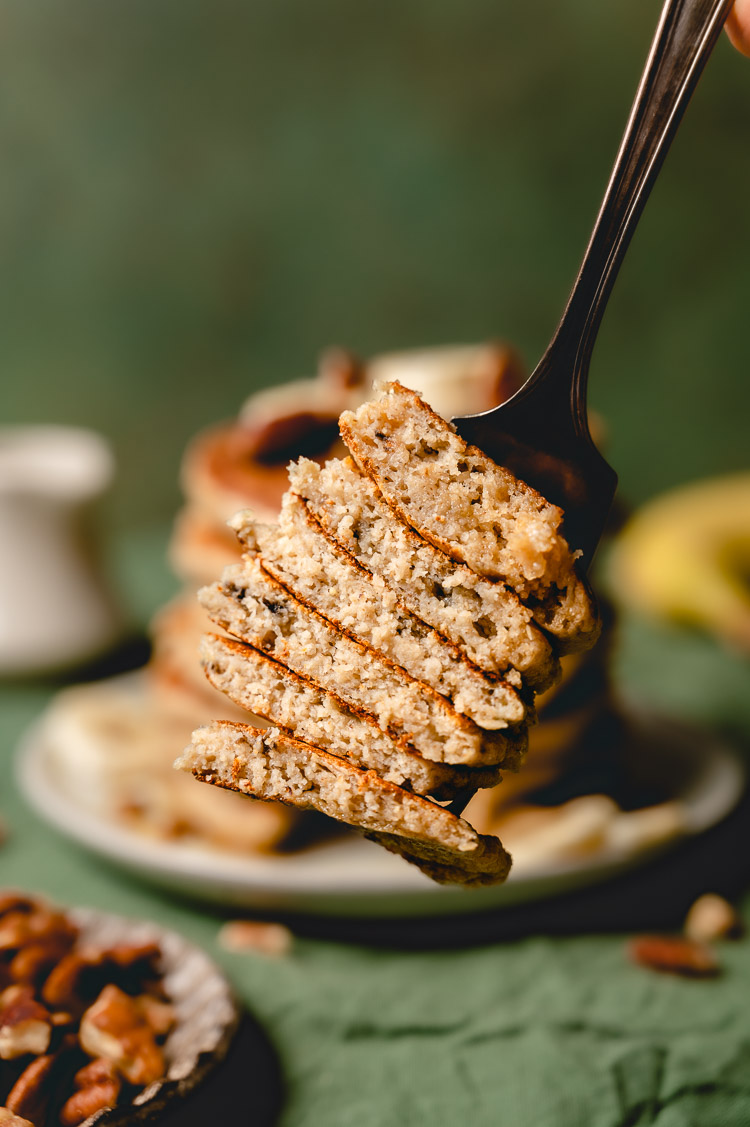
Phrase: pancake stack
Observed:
(393, 629)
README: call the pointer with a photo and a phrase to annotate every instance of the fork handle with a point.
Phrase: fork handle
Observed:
(685, 36)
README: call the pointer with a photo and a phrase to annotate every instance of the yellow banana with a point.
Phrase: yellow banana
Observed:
(686, 556)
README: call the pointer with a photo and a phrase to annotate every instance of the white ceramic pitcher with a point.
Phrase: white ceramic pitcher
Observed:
(54, 608)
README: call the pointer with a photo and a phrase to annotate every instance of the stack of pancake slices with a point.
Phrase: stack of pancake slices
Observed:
(392, 629)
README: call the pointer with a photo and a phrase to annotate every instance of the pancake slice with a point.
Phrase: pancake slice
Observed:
(474, 510)
(269, 764)
(319, 572)
(485, 618)
(254, 607)
(286, 699)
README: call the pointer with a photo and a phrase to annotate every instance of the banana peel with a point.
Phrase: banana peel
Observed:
(685, 556)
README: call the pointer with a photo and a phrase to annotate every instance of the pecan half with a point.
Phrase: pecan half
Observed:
(15, 902)
(143, 956)
(30, 1094)
(88, 1101)
(33, 961)
(254, 935)
(13, 992)
(65, 984)
(674, 955)
(97, 1071)
(21, 927)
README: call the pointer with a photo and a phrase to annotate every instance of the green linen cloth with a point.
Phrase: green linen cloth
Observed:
(543, 1032)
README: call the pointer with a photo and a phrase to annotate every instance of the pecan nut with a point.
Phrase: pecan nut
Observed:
(674, 955)
(143, 956)
(25, 1027)
(88, 1101)
(33, 961)
(13, 992)
(115, 1028)
(30, 1094)
(15, 902)
(21, 927)
(254, 935)
(70, 983)
(97, 1071)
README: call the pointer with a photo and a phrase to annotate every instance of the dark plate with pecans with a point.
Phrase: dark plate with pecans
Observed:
(103, 1019)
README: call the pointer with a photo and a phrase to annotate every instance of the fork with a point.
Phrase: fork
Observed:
(542, 432)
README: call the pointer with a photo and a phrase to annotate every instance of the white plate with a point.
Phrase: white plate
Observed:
(354, 877)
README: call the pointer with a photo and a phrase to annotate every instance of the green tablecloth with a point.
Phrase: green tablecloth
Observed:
(532, 1029)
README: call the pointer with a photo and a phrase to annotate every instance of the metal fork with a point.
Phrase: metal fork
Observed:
(542, 432)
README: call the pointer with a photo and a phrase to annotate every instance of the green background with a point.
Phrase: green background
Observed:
(199, 195)
(196, 197)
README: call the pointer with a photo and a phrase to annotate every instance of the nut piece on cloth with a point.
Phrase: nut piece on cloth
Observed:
(712, 917)
(242, 936)
(674, 955)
